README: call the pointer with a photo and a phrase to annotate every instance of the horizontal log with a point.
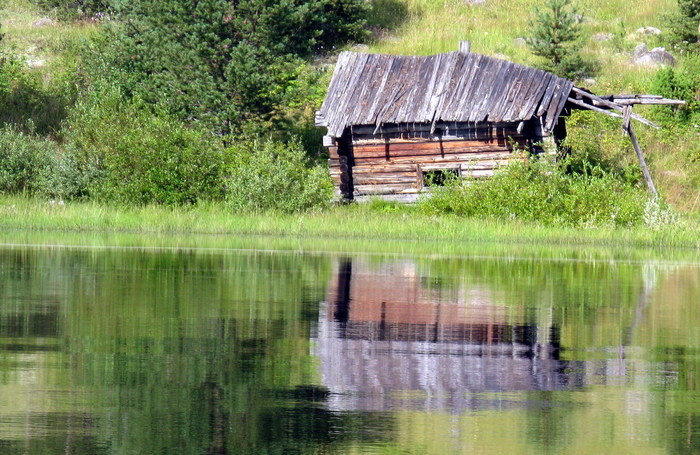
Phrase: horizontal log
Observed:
(385, 189)
(598, 101)
(360, 154)
(406, 157)
(444, 126)
(478, 173)
(484, 165)
(426, 145)
(422, 160)
(407, 198)
(384, 180)
(357, 173)
(593, 108)
(663, 101)
(383, 167)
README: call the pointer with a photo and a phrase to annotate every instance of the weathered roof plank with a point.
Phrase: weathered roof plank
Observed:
(373, 89)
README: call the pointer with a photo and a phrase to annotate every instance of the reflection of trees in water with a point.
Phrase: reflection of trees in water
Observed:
(179, 350)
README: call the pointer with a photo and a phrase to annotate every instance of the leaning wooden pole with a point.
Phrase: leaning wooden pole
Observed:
(642, 161)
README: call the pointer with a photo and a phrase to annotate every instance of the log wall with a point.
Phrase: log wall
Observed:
(391, 162)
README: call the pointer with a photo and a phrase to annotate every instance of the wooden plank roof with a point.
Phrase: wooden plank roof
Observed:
(376, 89)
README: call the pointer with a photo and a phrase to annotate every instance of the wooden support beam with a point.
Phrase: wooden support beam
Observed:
(593, 108)
(642, 161)
(626, 118)
(612, 105)
(661, 101)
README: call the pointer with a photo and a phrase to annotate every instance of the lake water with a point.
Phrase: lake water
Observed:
(154, 350)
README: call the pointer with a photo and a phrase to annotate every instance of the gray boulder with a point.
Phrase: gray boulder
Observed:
(655, 57)
(602, 37)
(647, 31)
(640, 50)
(44, 22)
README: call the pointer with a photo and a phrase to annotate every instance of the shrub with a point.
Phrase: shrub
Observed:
(271, 175)
(540, 191)
(681, 82)
(125, 153)
(27, 163)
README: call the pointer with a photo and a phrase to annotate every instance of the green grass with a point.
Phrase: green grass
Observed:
(43, 47)
(360, 222)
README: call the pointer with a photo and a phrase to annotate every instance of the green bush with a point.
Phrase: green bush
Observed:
(540, 191)
(271, 175)
(123, 152)
(27, 163)
(681, 82)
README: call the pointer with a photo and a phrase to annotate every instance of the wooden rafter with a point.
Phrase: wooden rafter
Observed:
(623, 105)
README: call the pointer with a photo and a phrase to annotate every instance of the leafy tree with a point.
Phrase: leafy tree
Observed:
(684, 26)
(221, 62)
(555, 34)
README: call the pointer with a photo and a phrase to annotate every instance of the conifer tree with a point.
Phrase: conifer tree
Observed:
(554, 36)
(684, 26)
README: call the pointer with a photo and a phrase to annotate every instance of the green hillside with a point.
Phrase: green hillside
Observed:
(49, 66)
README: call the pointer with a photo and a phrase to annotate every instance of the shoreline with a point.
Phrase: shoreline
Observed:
(341, 223)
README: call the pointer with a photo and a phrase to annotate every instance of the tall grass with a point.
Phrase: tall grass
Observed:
(366, 222)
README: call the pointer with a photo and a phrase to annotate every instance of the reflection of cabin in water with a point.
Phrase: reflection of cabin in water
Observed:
(384, 331)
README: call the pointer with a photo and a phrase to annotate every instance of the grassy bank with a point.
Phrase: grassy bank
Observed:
(343, 222)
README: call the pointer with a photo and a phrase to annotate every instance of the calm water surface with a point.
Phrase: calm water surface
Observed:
(186, 351)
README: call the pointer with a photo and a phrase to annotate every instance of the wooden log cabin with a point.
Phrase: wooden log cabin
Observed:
(399, 124)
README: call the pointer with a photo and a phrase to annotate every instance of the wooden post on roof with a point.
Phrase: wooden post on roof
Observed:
(627, 127)
(465, 46)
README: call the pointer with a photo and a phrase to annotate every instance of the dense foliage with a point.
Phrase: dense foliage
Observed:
(122, 152)
(221, 63)
(681, 82)
(542, 192)
(267, 175)
(684, 26)
(27, 163)
(555, 36)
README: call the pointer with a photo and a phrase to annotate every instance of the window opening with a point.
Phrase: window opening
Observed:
(439, 177)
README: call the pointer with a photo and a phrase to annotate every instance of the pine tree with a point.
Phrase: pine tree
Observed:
(684, 26)
(555, 35)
